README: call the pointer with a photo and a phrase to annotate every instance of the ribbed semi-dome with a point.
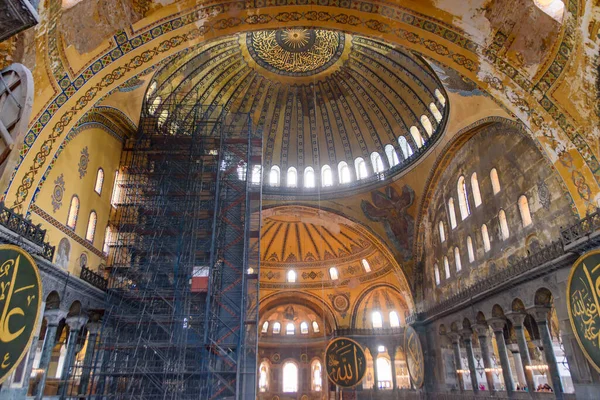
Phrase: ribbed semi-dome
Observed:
(320, 98)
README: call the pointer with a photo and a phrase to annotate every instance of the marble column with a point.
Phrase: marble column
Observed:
(468, 342)
(392, 355)
(53, 318)
(540, 314)
(482, 334)
(374, 353)
(498, 325)
(93, 329)
(455, 338)
(514, 350)
(517, 319)
(75, 325)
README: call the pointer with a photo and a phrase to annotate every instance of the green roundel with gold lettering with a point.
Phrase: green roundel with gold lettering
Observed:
(345, 362)
(20, 305)
(414, 356)
(583, 301)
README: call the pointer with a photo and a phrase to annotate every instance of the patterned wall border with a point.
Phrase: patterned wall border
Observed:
(67, 231)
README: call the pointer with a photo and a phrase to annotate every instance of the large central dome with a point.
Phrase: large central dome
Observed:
(322, 100)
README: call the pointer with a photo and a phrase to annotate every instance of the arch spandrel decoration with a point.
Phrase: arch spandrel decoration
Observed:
(513, 90)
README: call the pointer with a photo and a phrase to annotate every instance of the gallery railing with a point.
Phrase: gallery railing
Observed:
(584, 227)
(93, 278)
(26, 229)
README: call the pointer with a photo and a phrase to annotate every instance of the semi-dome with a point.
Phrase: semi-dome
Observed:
(333, 108)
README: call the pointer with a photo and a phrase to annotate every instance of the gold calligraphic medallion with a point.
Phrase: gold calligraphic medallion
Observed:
(345, 362)
(414, 356)
(583, 301)
(20, 306)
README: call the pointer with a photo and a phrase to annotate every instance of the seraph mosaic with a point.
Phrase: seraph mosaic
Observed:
(390, 208)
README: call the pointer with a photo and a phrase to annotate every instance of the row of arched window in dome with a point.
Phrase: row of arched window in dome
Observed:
(292, 276)
(289, 377)
(290, 328)
(523, 204)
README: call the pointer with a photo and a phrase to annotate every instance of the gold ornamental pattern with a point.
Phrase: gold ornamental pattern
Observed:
(295, 51)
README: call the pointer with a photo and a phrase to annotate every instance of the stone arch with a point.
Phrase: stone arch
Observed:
(543, 297)
(497, 311)
(480, 318)
(53, 300)
(442, 329)
(517, 305)
(466, 324)
(454, 327)
(75, 309)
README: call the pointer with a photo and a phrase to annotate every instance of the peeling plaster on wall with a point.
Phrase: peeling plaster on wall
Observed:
(475, 23)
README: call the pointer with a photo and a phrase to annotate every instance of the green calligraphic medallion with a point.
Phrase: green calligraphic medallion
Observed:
(20, 305)
(583, 301)
(414, 356)
(345, 362)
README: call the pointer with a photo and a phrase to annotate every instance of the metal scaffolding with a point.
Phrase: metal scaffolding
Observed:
(181, 321)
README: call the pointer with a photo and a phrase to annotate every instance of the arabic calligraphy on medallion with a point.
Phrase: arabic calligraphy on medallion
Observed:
(583, 300)
(414, 356)
(295, 51)
(345, 363)
(20, 305)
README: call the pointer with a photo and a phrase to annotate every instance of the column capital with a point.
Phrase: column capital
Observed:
(480, 329)
(497, 324)
(454, 337)
(53, 317)
(76, 322)
(93, 327)
(466, 334)
(539, 313)
(517, 318)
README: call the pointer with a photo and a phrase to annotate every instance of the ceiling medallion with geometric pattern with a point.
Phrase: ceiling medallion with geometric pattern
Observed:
(295, 51)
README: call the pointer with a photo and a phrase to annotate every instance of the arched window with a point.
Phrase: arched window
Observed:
(315, 326)
(440, 97)
(303, 328)
(263, 377)
(427, 125)
(524, 210)
(91, 228)
(392, 156)
(107, 239)
(309, 177)
(274, 176)
(457, 259)
(503, 224)
(343, 172)
(394, 319)
(452, 213)
(265, 327)
(376, 319)
(333, 273)
(73, 212)
(276, 328)
(442, 232)
(554, 8)
(256, 174)
(361, 168)
(436, 273)
(405, 147)
(470, 249)
(486, 238)
(292, 177)
(366, 265)
(151, 89)
(290, 329)
(162, 118)
(384, 373)
(291, 276)
(290, 377)
(446, 267)
(326, 176)
(463, 198)
(154, 105)
(99, 181)
(316, 384)
(495, 181)
(414, 131)
(436, 112)
(475, 188)
(116, 194)
(377, 162)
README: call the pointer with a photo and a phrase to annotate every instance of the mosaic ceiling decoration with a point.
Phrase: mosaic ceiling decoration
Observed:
(295, 51)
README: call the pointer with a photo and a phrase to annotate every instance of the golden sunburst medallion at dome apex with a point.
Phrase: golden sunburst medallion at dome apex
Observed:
(295, 51)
